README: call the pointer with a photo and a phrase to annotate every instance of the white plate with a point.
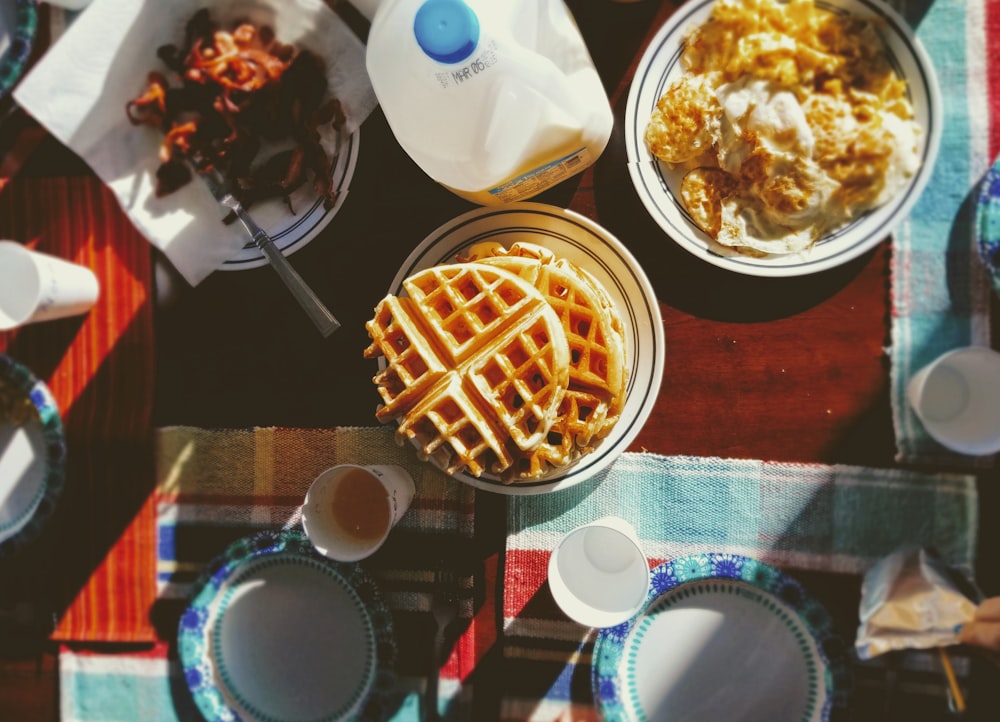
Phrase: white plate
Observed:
(292, 232)
(658, 185)
(80, 89)
(722, 637)
(588, 245)
(32, 457)
(278, 633)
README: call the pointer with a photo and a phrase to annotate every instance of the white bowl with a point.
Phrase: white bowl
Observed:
(657, 184)
(591, 247)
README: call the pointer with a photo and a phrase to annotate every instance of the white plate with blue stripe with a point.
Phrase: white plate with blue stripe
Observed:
(658, 185)
(591, 247)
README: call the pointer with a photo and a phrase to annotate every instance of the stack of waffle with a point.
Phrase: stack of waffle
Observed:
(507, 362)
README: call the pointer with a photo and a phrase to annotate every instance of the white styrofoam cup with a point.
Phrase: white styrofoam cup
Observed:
(957, 399)
(336, 533)
(598, 574)
(36, 286)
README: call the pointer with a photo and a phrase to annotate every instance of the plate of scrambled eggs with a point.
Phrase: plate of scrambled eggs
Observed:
(782, 138)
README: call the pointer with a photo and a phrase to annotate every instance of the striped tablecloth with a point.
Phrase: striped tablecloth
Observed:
(822, 524)
(938, 301)
(940, 290)
(216, 486)
(99, 539)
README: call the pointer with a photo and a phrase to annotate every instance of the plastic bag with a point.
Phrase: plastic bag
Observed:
(912, 600)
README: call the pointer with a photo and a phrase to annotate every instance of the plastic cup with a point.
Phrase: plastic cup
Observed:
(349, 509)
(598, 574)
(70, 4)
(957, 399)
(36, 286)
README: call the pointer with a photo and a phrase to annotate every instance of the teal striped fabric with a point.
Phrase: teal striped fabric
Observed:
(823, 525)
(110, 688)
(148, 686)
(804, 516)
(940, 289)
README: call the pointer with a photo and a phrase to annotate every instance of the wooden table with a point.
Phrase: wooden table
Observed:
(778, 369)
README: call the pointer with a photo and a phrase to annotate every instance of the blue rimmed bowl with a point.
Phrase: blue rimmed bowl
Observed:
(988, 223)
(32, 455)
(18, 26)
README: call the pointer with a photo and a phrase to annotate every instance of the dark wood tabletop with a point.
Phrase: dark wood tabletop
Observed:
(763, 368)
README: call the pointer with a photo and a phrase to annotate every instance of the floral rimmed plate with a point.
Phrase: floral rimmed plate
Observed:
(658, 185)
(32, 455)
(588, 245)
(988, 223)
(276, 632)
(722, 637)
(18, 25)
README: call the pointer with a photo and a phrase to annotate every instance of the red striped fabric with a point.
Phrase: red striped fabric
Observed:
(99, 368)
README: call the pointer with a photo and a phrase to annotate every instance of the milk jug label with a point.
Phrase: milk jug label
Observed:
(541, 178)
(461, 73)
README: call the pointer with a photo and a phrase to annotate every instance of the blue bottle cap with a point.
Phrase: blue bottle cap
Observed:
(447, 30)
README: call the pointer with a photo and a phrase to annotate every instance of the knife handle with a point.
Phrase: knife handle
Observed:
(314, 308)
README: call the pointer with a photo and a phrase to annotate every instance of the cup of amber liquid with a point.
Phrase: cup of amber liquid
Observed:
(349, 509)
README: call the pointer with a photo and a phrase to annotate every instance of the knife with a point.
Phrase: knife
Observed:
(310, 302)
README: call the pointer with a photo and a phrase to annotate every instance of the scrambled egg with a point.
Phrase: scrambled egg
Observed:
(788, 121)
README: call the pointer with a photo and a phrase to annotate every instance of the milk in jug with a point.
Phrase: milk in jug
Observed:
(497, 100)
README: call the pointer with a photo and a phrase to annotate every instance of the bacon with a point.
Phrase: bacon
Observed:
(233, 89)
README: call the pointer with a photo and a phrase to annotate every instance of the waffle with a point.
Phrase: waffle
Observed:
(597, 373)
(477, 365)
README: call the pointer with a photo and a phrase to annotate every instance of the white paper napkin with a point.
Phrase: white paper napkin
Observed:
(79, 89)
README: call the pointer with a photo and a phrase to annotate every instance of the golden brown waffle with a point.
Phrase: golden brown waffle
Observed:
(582, 421)
(477, 364)
(597, 372)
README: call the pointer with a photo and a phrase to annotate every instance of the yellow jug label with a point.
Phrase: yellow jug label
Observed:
(541, 178)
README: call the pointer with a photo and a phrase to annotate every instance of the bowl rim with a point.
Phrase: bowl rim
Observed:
(23, 379)
(650, 184)
(988, 222)
(589, 465)
(14, 59)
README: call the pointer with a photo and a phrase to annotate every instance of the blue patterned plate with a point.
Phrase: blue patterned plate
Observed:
(32, 455)
(722, 637)
(276, 632)
(18, 25)
(988, 223)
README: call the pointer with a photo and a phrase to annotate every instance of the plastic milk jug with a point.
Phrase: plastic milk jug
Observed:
(497, 100)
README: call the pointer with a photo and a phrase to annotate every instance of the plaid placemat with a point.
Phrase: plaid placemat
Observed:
(99, 540)
(216, 486)
(940, 291)
(828, 523)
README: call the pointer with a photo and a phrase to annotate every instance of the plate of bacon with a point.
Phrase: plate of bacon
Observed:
(234, 98)
(271, 93)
